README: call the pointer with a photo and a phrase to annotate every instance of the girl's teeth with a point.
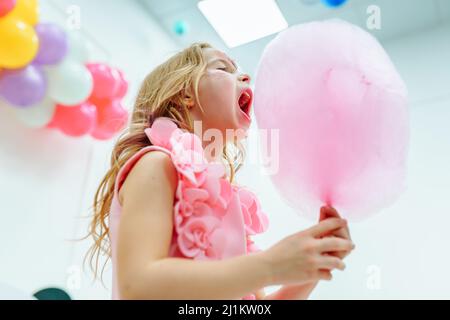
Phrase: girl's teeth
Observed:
(246, 97)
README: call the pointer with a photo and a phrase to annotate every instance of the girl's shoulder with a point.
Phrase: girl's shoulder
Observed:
(152, 168)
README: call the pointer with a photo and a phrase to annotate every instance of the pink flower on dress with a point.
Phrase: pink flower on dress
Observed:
(219, 189)
(188, 157)
(190, 202)
(161, 132)
(187, 141)
(202, 238)
(255, 220)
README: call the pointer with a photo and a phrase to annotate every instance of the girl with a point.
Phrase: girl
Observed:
(168, 212)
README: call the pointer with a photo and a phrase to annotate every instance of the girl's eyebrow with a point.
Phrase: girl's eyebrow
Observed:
(229, 61)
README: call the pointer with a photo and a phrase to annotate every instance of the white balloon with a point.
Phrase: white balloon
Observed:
(69, 83)
(37, 116)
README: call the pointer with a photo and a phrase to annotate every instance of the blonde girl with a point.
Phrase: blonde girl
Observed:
(169, 213)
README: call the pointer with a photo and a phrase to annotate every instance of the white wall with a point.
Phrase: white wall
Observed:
(405, 248)
(47, 180)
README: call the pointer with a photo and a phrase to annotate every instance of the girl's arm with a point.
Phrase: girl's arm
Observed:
(143, 268)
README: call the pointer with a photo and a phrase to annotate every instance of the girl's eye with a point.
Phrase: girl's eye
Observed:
(227, 69)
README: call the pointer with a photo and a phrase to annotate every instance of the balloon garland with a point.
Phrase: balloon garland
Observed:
(45, 77)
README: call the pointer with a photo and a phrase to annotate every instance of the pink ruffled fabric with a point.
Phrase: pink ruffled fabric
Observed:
(205, 200)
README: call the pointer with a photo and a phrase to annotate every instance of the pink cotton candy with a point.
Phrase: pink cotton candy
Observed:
(341, 110)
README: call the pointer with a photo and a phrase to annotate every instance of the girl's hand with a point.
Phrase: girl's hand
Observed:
(327, 212)
(301, 257)
(300, 291)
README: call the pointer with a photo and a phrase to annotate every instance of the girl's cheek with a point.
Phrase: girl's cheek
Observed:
(214, 73)
(219, 75)
(217, 86)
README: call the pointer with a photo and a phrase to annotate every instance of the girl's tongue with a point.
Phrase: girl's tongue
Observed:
(244, 102)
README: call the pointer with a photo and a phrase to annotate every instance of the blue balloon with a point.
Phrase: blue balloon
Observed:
(333, 3)
(180, 27)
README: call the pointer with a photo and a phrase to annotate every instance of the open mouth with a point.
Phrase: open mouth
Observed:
(245, 101)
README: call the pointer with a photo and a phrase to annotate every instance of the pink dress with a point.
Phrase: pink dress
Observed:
(212, 219)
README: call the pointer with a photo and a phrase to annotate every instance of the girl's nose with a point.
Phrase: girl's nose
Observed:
(244, 77)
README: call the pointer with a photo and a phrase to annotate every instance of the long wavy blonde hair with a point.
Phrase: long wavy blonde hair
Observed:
(161, 94)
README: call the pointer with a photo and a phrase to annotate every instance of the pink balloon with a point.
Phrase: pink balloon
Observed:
(6, 6)
(75, 121)
(110, 120)
(107, 81)
(341, 110)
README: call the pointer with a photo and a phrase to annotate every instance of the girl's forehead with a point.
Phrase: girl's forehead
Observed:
(211, 54)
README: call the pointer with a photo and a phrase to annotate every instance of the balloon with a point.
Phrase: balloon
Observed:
(37, 116)
(18, 43)
(75, 121)
(26, 11)
(110, 120)
(78, 50)
(53, 44)
(341, 110)
(23, 87)
(333, 3)
(107, 80)
(180, 27)
(6, 6)
(70, 83)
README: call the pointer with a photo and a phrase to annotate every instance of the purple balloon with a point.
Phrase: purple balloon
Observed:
(23, 87)
(53, 44)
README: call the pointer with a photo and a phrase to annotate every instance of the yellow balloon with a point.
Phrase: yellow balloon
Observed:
(26, 11)
(18, 43)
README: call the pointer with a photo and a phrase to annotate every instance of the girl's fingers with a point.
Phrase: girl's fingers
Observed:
(343, 233)
(337, 254)
(323, 214)
(330, 212)
(331, 244)
(326, 226)
(324, 274)
(330, 263)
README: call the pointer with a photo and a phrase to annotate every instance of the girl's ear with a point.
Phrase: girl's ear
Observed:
(189, 102)
(188, 98)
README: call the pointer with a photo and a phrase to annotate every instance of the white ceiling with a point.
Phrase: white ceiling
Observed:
(398, 18)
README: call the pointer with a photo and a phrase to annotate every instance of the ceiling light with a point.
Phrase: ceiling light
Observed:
(242, 21)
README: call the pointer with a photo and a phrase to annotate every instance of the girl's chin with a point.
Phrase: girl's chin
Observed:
(244, 120)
